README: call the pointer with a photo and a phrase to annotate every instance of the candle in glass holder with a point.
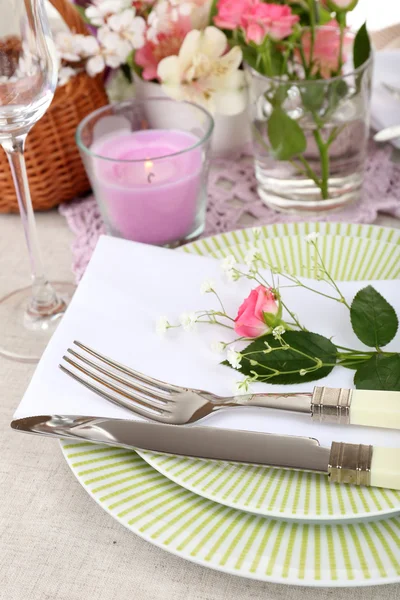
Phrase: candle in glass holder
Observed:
(148, 183)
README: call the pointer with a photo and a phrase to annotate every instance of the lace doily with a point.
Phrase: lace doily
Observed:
(233, 202)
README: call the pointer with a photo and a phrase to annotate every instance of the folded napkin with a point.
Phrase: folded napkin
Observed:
(385, 108)
(127, 286)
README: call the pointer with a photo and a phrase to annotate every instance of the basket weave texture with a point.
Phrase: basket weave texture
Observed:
(55, 170)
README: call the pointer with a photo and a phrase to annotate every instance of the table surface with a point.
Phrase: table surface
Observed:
(56, 543)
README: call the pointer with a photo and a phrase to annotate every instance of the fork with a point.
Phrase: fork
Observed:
(168, 403)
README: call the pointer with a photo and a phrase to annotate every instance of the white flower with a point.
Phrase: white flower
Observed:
(128, 27)
(65, 74)
(188, 321)
(108, 50)
(162, 325)
(217, 347)
(234, 358)
(312, 237)
(100, 10)
(228, 263)
(207, 286)
(69, 46)
(278, 331)
(204, 74)
(251, 256)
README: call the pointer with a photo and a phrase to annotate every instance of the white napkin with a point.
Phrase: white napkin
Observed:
(385, 108)
(127, 286)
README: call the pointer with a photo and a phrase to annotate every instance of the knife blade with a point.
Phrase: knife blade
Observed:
(342, 462)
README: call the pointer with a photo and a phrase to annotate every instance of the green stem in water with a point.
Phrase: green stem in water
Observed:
(324, 156)
(305, 169)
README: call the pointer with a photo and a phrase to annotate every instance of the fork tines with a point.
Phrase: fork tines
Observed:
(117, 383)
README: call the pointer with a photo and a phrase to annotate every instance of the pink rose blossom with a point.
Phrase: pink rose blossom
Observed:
(260, 20)
(230, 13)
(250, 318)
(168, 44)
(326, 49)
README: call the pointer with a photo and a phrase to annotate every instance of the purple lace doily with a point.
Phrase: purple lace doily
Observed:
(233, 202)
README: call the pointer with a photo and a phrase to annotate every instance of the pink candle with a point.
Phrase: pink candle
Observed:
(149, 192)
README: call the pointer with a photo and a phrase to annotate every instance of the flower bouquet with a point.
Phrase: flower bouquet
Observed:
(169, 42)
(310, 88)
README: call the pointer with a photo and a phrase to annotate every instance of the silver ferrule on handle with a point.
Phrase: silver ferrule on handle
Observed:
(331, 404)
(350, 463)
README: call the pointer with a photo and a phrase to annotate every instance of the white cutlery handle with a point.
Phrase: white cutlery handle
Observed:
(359, 464)
(385, 468)
(375, 408)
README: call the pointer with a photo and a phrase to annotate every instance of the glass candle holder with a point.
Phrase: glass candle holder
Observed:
(147, 162)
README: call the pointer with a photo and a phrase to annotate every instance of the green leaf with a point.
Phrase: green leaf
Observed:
(313, 95)
(324, 16)
(379, 373)
(81, 11)
(311, 344)
(362, 47)
(337, 90)
(285, 135)
(373, 319)
(213, 11)
(126, 70)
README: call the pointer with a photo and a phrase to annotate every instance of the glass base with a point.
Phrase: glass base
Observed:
(302, 197)
(26, 332)
(305, 206)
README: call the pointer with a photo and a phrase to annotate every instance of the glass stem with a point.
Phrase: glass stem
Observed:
(44, 298)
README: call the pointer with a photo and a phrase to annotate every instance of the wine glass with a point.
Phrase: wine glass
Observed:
(28, 79)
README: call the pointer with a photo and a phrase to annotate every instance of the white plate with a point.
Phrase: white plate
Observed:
(354, 252)
(229, 540)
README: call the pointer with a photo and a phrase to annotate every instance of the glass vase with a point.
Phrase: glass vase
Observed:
(326, 122)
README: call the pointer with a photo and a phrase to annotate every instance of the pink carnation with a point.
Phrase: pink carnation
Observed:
(168, 44)
(260, 20)
(230, 13)
(326, 51)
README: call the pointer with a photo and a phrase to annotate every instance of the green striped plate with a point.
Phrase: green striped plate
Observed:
(355, 252)
(229, 540)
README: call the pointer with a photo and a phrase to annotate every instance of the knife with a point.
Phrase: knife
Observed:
(343, 463)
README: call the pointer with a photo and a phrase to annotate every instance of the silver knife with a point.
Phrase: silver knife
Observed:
(342, 463)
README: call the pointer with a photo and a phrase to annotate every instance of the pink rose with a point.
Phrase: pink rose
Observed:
(250, 318)
(326, 49)
(260, 20)
(229, 15)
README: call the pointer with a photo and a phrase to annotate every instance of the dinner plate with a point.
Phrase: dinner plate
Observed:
(229, 540)
(357, 252)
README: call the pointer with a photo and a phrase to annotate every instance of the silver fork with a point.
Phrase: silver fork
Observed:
(167, 403)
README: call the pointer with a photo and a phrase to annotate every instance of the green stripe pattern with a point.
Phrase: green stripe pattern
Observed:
(230, 540)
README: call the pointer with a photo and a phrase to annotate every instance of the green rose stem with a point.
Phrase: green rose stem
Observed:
(323, 149)
(341, 19)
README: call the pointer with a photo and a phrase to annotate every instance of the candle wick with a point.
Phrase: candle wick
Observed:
(150, 177)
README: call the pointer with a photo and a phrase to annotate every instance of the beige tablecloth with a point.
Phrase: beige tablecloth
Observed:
(55, 542)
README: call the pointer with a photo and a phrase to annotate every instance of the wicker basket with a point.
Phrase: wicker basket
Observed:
(55, 169)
